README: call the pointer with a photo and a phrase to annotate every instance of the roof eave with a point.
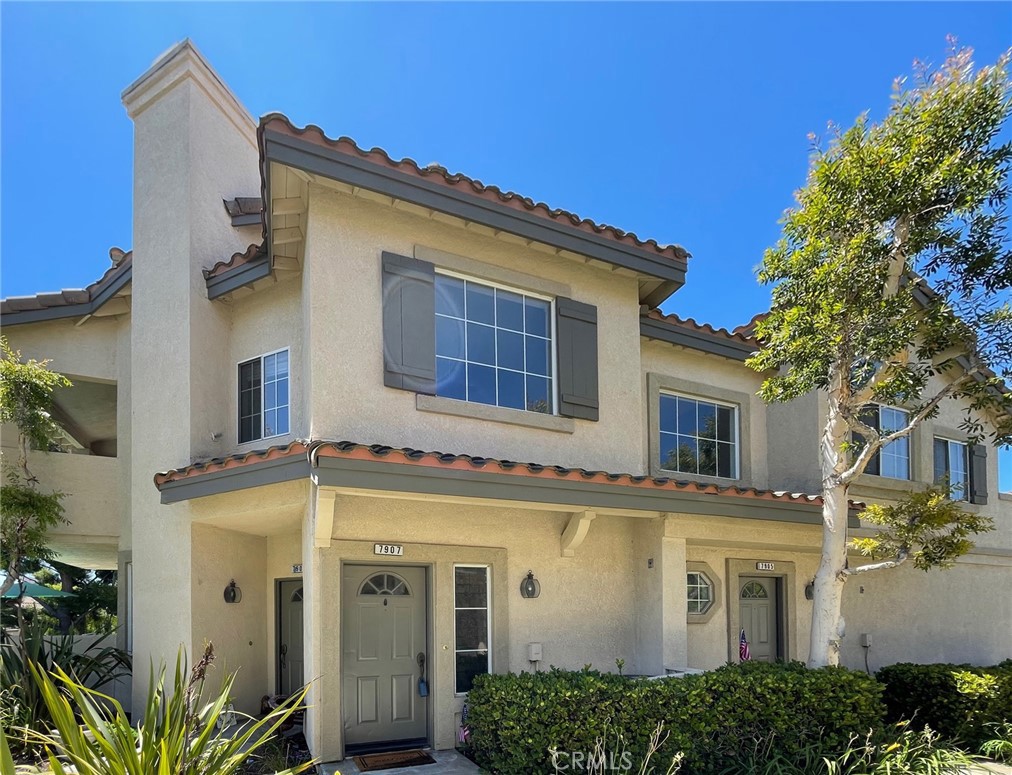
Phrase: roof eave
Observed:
(311, 157)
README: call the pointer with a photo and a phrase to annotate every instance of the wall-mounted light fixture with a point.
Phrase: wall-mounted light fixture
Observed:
(232, 592)
(530, 587)
(810, 590)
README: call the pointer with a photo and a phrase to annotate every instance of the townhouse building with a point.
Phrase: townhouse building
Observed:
(360, 422)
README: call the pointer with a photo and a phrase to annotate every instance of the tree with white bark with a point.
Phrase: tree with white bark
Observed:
(890, 287)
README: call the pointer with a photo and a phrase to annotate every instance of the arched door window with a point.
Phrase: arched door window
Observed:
(384, 584)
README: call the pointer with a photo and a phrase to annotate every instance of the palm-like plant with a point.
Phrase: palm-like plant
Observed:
(178, 733)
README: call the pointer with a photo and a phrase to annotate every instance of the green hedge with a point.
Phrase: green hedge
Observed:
(955, 708)
(714, 718)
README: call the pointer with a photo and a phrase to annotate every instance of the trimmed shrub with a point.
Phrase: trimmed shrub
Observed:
(960, 702)
(725, 715)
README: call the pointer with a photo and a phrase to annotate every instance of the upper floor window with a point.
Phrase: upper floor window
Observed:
(892, 460)
(263, 397)
(698, 437)
(493, 345)
(952, 466)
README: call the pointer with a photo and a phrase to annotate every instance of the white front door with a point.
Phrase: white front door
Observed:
(384, 650)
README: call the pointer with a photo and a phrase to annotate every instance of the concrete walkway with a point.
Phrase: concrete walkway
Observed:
(447, 763)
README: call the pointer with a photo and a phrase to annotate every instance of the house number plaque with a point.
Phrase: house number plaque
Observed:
(764, 566)
(297, 568)
(392, 550)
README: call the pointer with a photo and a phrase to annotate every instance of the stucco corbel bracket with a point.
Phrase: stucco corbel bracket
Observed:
(576, 531)
(323, 526)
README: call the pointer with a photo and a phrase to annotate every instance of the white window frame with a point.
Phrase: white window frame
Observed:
(238, 395)
(553, 389)
(966, 462)
(709, 585)
(737, 432)
(910, 445)
(488, 620)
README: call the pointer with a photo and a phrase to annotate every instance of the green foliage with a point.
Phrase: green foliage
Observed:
(26, 400)
(959, 702)
(176, 733)
(909, 753)
(21, 702)
(26, 396)
(999, 746)
(928, 527)
(713, 718)
(920, 194)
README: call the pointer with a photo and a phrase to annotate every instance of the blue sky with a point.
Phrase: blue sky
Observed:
(685, 122)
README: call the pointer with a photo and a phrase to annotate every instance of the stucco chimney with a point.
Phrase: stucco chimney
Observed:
(194, 145)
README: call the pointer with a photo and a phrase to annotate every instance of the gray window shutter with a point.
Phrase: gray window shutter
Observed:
(576, 335)
(409, 324)
(978, 474)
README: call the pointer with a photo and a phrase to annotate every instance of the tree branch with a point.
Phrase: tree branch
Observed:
(900, 558)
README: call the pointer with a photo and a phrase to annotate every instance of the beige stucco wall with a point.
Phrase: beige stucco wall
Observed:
(193, 147)
(237, 630)
(346, 236)
(959, 615)
(262, 323)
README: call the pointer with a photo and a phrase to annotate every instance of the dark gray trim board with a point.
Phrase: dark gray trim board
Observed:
(285, 469)
(696, 340)
(226, 282)
(247, 219)
(113, 286)
(378, 475)
(382, 476)
(310, 157)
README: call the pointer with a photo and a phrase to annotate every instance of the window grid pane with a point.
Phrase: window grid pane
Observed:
(698, 437)
(471, 617)
(700, 592)
(493, 346)
(893, 460)
(952, 468)
(264, 397)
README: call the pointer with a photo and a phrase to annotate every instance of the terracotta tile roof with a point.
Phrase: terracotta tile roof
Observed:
(749, 328)
(118, 272)
(280, 123)
(252, 253)
(415, 457)
(738, 335)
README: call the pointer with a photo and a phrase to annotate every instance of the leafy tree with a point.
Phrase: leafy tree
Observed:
(26, 513)
(887, 209)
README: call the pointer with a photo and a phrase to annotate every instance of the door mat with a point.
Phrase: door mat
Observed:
(392, 761)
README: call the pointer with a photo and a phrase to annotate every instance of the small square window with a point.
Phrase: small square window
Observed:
(264, 397)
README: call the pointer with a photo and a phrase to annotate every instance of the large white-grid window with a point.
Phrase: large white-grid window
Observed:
(493, 345)
(472, 624)
(698, 437)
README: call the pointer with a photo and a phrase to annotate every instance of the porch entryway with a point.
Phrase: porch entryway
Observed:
(384, 671)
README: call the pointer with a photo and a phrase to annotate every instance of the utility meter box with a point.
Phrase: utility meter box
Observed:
(534, 652)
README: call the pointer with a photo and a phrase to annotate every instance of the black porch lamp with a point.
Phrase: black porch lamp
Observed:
(232, 593)
(530, 587)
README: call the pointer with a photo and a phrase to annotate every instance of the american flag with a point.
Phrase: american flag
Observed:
(743, 653)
